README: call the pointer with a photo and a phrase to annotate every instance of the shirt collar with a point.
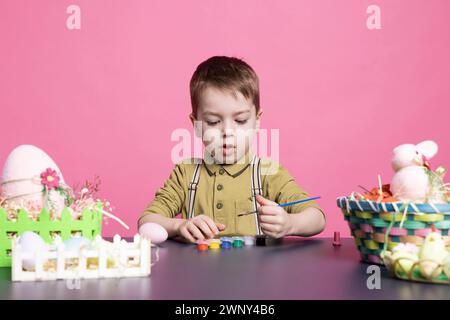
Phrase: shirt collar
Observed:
(233, 170)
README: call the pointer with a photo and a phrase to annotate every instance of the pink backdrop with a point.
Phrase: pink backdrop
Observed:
(104, 99)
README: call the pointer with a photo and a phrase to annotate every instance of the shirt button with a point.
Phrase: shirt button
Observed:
(221, 171)
(219, 187)
(219, 205)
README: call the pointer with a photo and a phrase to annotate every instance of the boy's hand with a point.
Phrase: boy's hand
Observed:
(274, 220)
(199, 228)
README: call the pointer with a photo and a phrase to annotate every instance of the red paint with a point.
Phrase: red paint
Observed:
(337, 239)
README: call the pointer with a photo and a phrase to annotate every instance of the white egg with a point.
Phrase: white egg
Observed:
(31, 242)
(21, 181)
(76, 243)
(153, 231)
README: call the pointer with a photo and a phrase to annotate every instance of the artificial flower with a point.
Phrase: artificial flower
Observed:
(50, 179)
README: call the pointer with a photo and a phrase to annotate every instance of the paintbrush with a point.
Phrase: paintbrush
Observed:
(282, 205)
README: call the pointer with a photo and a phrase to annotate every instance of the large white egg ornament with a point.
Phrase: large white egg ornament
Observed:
(21, 179)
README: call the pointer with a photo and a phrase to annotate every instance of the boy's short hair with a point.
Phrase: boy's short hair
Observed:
(226, 73)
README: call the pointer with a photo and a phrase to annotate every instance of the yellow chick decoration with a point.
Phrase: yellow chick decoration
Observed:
(447, 266)
(432, 255)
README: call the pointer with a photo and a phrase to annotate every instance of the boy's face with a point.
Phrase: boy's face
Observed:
(227, 122)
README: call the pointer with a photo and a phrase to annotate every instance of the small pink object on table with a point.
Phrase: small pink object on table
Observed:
(154, 232)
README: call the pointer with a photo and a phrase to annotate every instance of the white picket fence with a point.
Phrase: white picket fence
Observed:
(133, 260)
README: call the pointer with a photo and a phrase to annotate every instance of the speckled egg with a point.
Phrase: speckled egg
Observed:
(76, 243)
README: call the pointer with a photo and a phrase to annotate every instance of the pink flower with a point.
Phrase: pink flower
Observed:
(50, 179)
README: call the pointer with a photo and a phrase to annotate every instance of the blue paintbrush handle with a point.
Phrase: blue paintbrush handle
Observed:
(284, 205)
(298, 201)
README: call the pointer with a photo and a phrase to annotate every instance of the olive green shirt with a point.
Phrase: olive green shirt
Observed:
(224, 191)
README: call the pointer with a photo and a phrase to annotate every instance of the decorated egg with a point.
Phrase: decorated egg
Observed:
(154, 232)
(31, 242)
(405, 256)
(28, 171)
(76, 243)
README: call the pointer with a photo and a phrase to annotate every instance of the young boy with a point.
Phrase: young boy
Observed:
(213, 193)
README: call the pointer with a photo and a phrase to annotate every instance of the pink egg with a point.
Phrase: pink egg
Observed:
(153, 231)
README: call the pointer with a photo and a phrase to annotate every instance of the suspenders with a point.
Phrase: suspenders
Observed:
(193, 190)
(255, 165)
(256, 188)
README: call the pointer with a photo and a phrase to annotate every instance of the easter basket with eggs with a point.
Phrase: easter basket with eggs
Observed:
(405, 225)
(34, 197)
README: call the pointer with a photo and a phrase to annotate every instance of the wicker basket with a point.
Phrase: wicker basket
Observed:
(377, 226)
(89, 225)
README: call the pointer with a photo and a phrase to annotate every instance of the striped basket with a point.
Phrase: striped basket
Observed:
(375, 225)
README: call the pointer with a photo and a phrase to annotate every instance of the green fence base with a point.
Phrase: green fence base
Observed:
(89, 225)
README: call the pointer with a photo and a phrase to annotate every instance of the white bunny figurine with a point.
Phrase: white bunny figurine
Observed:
(414, 181)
